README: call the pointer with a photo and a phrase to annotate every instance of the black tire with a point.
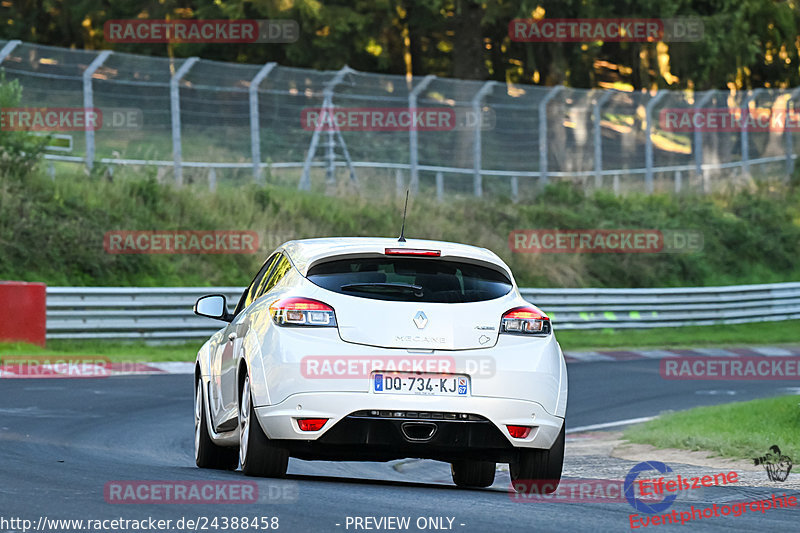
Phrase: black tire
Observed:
(539, 471)
(258, 456)
(473, 473)
(206, 453)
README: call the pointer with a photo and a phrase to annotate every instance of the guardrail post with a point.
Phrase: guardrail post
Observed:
(698, 142)
(678, 178)
(648, 140)
(439, 187)
(175, 112)
(413, 148)
(598, 138)
(477, 180)
(787, 132)
(88, 102)
(255, 123)
(543, 146)
(745, 138)
(615, 184)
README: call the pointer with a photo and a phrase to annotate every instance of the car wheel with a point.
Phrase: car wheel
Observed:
(539, 471)
(473, 473)
(206, 453)
(258, 456)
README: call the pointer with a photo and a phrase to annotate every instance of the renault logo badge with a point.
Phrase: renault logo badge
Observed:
(420, 320)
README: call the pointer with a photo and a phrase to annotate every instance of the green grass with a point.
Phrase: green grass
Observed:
(741, 430)
(114, 351)
(761, 333)
(52, 230)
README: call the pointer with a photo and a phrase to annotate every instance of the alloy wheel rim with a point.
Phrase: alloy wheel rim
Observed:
(198, 413)
(244, 420)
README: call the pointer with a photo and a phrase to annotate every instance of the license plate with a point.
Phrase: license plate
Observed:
(420, 384)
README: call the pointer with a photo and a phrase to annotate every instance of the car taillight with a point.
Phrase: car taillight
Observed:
(526, 320)
(519, 432)
(413, 251)
(298, 311)
(311, 424)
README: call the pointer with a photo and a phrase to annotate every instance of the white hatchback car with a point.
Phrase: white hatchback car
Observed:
(376, 349)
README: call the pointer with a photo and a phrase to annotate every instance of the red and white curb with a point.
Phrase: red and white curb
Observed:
(83, 370)
(187, 367)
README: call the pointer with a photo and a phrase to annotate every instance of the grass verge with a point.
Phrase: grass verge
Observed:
(741, 430)
(114, 351)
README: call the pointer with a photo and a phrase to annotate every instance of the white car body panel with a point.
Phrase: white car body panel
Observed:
(523, 383)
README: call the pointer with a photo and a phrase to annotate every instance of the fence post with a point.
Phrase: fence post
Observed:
(413, 149)
(543, 147)
(648, 140)
(439, 187)
(88, 102)
(615, 184)
(515, 188)
(745, 137)
(787, 133)
(678, 179)
(698, 142)
(255, 123)
(8, 48)
(477, 180)
(399, 182)
(327, 103)
(175, 112)
(598, 138)
(212, 179)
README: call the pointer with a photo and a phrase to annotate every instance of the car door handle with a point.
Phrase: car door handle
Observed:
(232, 336)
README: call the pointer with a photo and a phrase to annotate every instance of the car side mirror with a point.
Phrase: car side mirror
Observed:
(213, 306)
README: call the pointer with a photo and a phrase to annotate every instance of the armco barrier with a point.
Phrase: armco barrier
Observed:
(166, 313)
(22, 312)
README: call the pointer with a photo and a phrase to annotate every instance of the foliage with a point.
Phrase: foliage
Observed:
(53, 231)
(20, 151)
(745, 43)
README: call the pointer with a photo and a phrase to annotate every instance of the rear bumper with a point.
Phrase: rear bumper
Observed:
(382, 427)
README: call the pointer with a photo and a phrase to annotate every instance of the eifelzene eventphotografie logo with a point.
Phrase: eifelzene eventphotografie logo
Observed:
(775, 463)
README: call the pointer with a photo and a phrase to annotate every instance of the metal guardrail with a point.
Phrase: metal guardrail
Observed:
(166, 313)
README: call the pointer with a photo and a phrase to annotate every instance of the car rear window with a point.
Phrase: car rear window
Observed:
(411, 279)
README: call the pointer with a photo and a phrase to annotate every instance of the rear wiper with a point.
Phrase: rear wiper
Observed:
(383, 287)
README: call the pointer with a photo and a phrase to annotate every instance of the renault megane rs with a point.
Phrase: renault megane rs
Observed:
(378, 349)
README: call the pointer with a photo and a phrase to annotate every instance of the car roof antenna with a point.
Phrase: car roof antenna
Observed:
(403, 228)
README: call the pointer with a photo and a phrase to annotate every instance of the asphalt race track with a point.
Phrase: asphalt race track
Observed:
(62, 440)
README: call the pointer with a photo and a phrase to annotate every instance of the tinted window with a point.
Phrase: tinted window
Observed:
(411, 280)
(280, 269)
(249, 293)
